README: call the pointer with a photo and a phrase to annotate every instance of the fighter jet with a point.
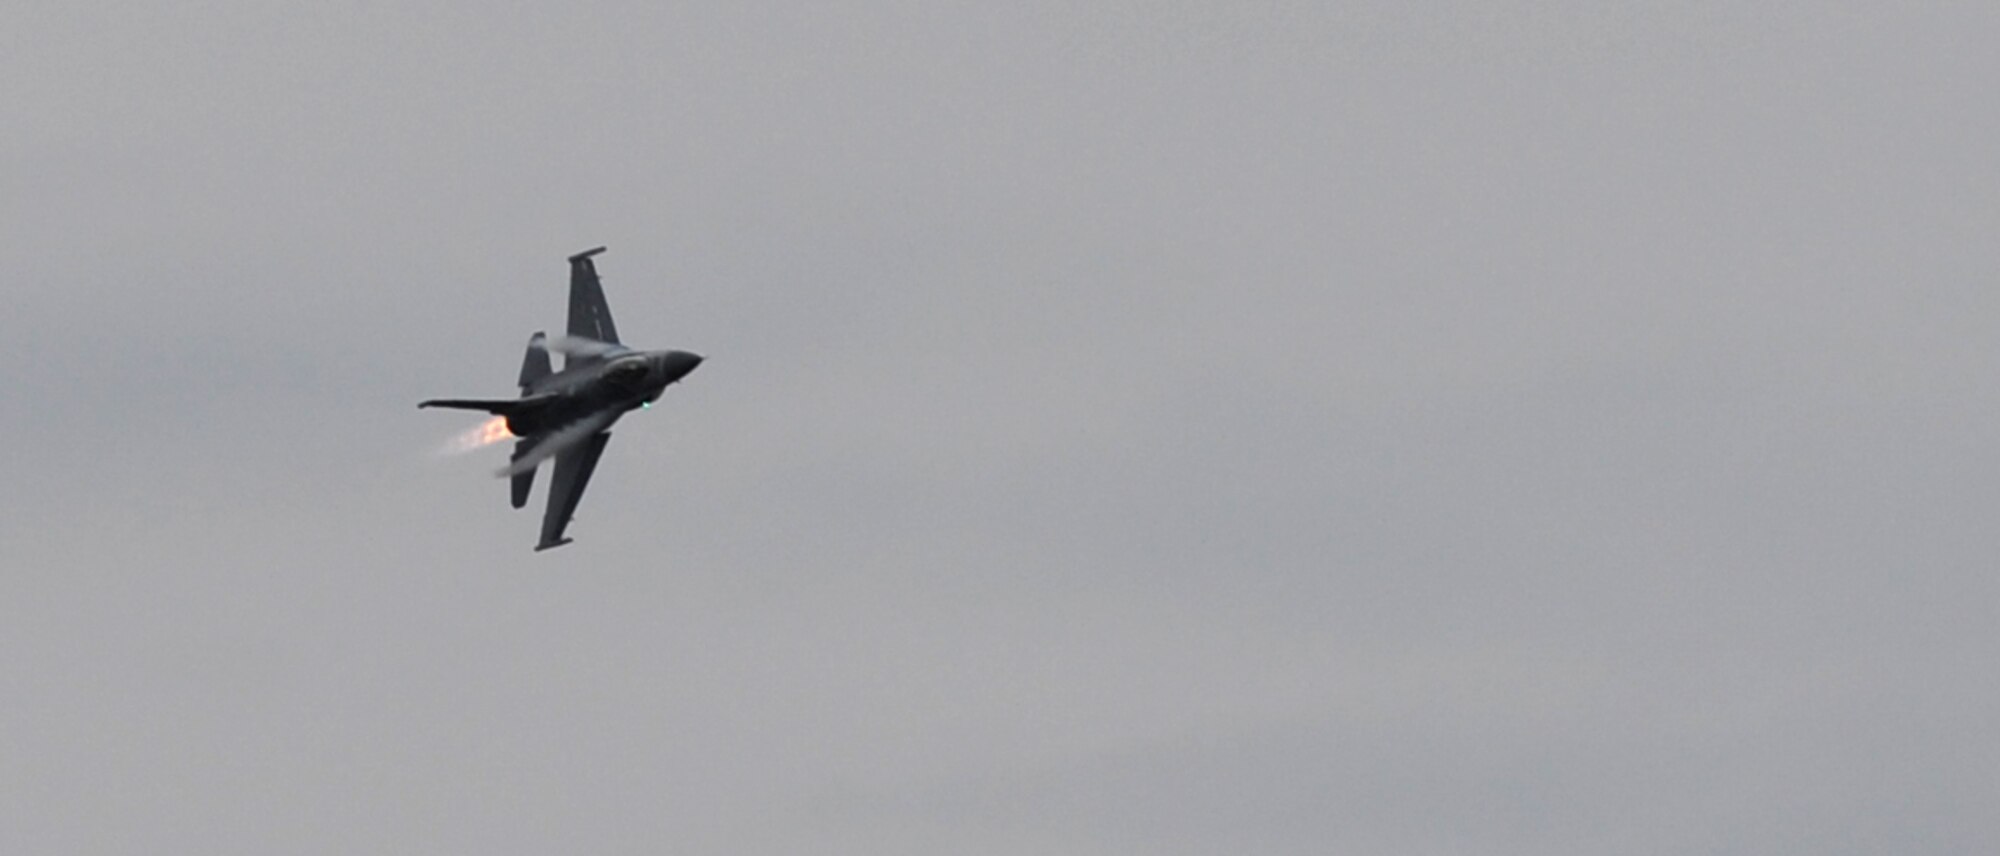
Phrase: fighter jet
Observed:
(568, 414)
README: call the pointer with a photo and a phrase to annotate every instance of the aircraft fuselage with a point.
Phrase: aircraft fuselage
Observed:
(615, 385)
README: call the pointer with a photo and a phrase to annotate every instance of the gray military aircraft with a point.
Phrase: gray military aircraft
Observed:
(568, 414)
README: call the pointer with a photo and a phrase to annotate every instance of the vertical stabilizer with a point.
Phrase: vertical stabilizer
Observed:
(535, 364)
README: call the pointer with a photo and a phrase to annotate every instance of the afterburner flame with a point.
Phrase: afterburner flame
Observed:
(486, 434)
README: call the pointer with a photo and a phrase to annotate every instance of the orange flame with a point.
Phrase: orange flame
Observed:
(486, 434)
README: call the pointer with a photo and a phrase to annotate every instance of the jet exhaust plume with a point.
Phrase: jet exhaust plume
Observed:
(480, 436)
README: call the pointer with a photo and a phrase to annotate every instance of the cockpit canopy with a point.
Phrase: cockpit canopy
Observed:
(629, 373)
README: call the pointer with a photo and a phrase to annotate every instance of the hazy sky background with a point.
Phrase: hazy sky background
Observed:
(1128, 428)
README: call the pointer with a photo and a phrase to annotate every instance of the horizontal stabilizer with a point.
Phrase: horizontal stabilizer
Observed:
(524, 480)
(535, 363)
(550, 545)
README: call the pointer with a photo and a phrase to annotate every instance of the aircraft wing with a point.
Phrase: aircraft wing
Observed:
(573, 468)
(589, 315)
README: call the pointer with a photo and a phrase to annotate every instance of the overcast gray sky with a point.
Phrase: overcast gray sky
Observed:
(1129, 428)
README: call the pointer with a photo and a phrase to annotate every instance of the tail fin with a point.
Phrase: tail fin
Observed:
(501, 406)
(535, 364)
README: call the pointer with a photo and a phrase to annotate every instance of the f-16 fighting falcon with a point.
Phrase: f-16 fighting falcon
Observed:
(568, 414)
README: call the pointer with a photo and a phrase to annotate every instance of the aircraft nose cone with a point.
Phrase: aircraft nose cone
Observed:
(682, 362)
